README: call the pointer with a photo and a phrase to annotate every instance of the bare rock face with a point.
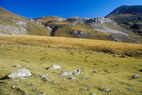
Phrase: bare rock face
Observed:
(20, 74)
(12, 30)
(80, 34)
(99, 20)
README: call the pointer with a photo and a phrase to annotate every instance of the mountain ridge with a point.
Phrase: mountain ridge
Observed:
(87, 28)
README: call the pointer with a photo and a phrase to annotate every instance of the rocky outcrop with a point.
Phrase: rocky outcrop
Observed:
(99, 20)
(80, 34)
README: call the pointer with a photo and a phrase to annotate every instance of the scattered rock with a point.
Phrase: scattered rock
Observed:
(85, 89)
(36, 89)
(123, 56)
(72, 78)
(13, 87)
(54, 67)
(105, 90)
(29, 84)
(68, 73)
(130, 89)
(43, 93)
(44, 78)
(15, 80)
(93, 94)
(20, 74)
(135, 77)
(77, 72)
(17, 66)
(93, 72)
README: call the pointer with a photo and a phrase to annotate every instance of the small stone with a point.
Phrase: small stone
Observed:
(15, 80)
(93, 72)
(54, 67)
(140, 80)
(77, 72)
(72, 78)
(93, 94)
(43, 93)
(44, 78)
(29, 84)
(123, 56)
(130, 89)
(17, 66)
(85, 89)
(36, 89)
(13, 87)
(107, 90)
(135, 77)
(68, 73)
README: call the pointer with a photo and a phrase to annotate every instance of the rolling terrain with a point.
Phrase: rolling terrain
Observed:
(92, 56)
(95, 59)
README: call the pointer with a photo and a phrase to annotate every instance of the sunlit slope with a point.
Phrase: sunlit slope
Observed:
(12, 24)
(95, 45)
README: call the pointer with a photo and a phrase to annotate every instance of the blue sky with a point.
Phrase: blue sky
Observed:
(65, 8)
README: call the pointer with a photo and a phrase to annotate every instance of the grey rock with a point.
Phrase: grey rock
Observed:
(37, 89)
(44, 78)
(54, 67)
(72, 78)
(13, 87)
(130, 89)
(93, 94)
(17, 66)
(20, 74)
(135, 76)
(107, 90)
(85, 89)
(43, 93)
(15, 80)
(29, 84)
(67, 73)
(77, 72)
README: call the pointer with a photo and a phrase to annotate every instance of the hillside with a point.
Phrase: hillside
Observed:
(98, 69)
(129, 17)
(90, 28)
(12, 24)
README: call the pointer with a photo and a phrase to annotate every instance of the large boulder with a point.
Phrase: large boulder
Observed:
(20, 74)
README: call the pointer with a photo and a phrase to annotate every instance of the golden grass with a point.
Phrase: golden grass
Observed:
(95, 45)
(111, 71)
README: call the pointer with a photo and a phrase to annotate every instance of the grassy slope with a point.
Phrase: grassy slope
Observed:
(38, 53)
(46, 19)
(65, 31)
(96, 45)
(32, 27)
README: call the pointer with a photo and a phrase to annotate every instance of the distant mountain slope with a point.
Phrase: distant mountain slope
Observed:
(129, 17)
(12, 24)
(89, 28)
(75, 27)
